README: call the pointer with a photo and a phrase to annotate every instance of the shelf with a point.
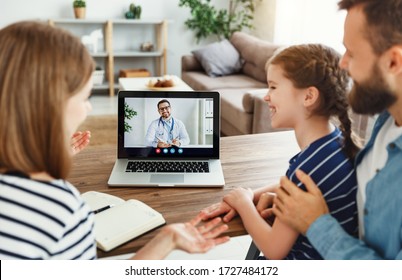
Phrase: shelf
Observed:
(136, 54)
(105, 85)
(99, 54)
(102, 21)
(108, 54)
(102, 86)
(137, 21)
(80, 21)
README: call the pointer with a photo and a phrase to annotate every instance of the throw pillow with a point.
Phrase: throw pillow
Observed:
(219, 59)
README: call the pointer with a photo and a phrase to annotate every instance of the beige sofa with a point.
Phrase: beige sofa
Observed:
(243, 110)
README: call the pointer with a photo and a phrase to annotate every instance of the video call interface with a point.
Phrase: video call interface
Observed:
(176, 127)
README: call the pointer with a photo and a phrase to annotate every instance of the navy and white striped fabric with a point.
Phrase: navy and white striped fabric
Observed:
(334, 174)
(44, 220)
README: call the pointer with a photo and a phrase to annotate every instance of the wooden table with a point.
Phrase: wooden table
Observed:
(141, 84)
(248, 161)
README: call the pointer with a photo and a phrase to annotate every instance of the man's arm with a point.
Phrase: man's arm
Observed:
(332, 242)
(308, 213)
(150, 139)
(183, 137)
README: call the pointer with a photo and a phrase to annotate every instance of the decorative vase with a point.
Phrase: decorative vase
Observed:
(79, 12)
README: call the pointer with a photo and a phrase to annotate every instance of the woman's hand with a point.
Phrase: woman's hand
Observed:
(218, 209)
(79, 141)
(190, 237)
(194, 238)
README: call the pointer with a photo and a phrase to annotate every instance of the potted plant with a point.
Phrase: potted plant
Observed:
(129, 113)
(206, 20)
(134, 12)
(79, 8)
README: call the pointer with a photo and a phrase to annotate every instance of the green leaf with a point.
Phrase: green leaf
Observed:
(129, 113)
(205, 20)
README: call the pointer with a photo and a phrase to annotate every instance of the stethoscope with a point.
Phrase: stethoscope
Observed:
(163, 124)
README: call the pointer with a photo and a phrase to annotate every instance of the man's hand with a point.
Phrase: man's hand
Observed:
(176, 142)
(218, 209)
(79, 141)
(297, 208)
(162, 144)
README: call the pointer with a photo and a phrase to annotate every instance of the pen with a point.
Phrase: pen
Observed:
(160, 140)
(103, 209)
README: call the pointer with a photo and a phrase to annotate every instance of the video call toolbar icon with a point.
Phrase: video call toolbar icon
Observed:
(171, 150)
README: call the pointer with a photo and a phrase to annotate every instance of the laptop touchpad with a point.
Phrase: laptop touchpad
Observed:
(173, 178)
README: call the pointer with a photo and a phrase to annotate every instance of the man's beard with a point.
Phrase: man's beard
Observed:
(372, 96)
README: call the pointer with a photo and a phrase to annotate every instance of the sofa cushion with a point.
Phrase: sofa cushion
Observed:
(219, 59)
(200, 81)
(255, 53)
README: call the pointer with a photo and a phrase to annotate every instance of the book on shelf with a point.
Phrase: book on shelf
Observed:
(118, 221)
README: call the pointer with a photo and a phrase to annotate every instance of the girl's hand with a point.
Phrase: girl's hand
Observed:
(238, 197)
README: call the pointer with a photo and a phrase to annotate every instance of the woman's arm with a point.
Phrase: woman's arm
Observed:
(184, 236)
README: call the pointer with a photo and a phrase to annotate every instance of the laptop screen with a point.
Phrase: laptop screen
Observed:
(168, 124)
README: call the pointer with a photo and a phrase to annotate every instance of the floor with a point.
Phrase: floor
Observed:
(235, 249)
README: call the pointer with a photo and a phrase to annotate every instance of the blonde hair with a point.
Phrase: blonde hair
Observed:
(318, 66)
(40, 68)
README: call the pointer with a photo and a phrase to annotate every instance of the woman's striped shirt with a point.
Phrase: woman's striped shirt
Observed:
(44, 220)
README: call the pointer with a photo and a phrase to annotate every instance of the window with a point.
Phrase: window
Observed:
(309, 21)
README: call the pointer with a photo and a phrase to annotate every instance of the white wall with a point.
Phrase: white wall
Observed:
(309, 21)
(180, 39)
(281, 21)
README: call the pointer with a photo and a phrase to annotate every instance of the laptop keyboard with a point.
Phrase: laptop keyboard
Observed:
(168, 166)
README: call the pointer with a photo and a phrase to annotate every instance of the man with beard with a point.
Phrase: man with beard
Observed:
(373, 58)
(166, 131)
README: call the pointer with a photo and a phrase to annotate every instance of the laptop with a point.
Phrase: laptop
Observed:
(168, 139)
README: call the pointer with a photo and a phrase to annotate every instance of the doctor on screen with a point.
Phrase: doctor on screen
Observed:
(166, 131)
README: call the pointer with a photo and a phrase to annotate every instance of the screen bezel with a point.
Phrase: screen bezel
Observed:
(150, 152)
